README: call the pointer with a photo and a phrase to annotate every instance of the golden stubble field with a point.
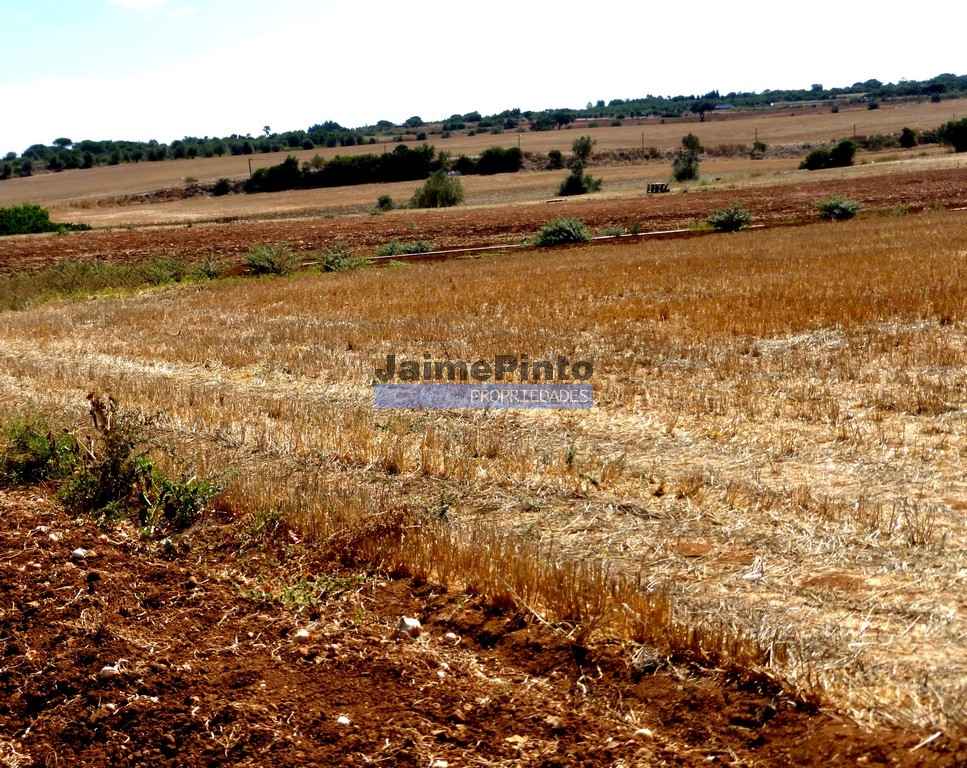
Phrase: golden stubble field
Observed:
(776, 454)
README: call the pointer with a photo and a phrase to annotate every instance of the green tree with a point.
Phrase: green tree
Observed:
(583, 147)
(439, 191)
(839, 156)
(577, 182)
(562, 118)
(908, 138)
(685, 166)
(690, 143)
(954, 134)
(842, 154)
(686, 160)
(701, 107)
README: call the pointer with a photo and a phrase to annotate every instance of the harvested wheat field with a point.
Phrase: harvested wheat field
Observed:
(751, 551)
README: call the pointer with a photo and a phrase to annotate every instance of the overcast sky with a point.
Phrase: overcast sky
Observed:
(165, 69)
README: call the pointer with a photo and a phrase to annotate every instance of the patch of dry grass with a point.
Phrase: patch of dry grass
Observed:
(772, 477)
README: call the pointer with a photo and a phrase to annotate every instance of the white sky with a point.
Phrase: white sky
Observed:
(165, 69)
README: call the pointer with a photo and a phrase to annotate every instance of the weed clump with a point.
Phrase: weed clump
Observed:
(265, 259)
(339, 259)
(33, 451)
(108, 473)
(731, 219)
(561, 231)
(838, 208)
(396, 248)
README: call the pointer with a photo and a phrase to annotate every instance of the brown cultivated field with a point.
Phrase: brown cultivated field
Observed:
(752, 551)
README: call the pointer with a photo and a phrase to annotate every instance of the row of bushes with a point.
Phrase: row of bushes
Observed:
(402, 164)
(735, 218)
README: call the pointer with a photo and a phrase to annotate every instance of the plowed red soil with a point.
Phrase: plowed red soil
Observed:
(209, 675)
(469, 227)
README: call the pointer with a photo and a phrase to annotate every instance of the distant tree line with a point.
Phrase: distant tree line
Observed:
(63, 153)
(942, 86)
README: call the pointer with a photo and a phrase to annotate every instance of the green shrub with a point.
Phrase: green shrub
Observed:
(685, 166)
(818, 158)
(265, 259)
(582, 147)
(222, 187)
(439, 191)
(840, 156)
(691, 143)
(577, 182)
(838, 208)
(395, 248)
(30, 219)
(385, 203)
(209, 269)
(173, 504)
(499, 160)
(555, 159)
(115, 478)
(731, 219)
(908, 138)
(339, 259)
(25, 219)
(561, 231)
(112, 470)
(112, 476)
(163, 270)
(954, 133)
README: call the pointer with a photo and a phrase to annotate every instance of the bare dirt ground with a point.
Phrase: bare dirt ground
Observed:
(209, 670)
(488, 225)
